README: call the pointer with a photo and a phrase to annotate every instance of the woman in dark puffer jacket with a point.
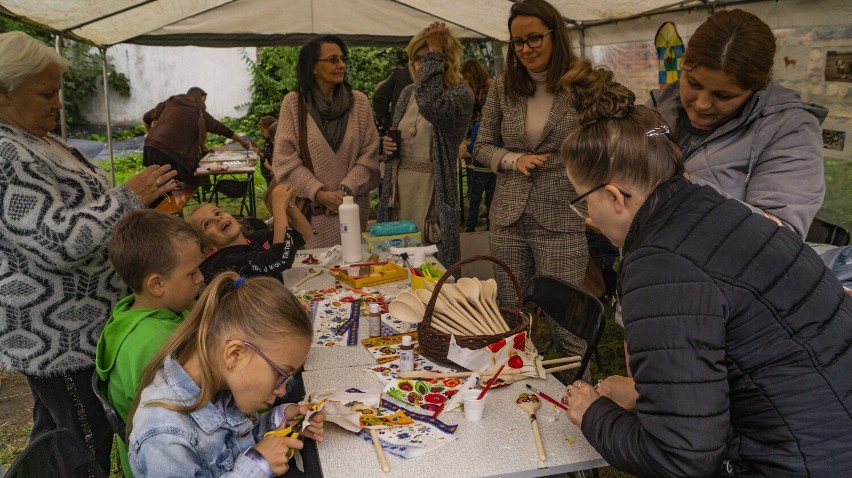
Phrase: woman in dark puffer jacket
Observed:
(739, 337)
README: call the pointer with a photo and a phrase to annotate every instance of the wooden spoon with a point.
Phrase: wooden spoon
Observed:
(412, 300)
(480, 319)
(530, 403)
(402, 311)
(312, 272)
(458, 323)
(472, 291)
(489, 297)
(447, 299)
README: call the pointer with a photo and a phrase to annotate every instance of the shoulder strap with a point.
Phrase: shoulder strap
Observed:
(303, 135)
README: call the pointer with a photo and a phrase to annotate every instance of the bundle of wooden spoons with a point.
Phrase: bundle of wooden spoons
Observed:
(466, 309)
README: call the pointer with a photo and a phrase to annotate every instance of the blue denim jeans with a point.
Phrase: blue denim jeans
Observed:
(478, 183)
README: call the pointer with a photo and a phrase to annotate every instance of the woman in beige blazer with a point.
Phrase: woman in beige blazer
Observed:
(524, 121)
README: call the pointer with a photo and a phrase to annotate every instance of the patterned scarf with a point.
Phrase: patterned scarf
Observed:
(331, 116)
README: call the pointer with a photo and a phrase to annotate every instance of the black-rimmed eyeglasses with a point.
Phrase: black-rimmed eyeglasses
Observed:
(333, 59)
(284, 376)
(575, 203)
(534, 41)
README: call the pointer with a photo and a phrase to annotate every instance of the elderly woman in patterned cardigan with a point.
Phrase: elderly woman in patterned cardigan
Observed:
(433, 115)
(326, 144)
(57, 287)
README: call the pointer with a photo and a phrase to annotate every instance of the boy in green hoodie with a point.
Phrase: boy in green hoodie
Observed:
(157, 255)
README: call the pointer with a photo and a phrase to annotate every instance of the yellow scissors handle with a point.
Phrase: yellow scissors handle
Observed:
(287, 432)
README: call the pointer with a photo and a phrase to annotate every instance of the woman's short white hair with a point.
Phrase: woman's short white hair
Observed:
(22, 56)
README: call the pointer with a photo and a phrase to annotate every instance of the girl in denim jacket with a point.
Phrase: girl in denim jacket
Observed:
(197, 414)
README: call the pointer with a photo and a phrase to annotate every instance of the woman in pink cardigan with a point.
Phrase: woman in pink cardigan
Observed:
(326, 145)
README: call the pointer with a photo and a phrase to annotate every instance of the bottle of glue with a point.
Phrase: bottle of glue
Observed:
(375, 319)
(350, 230)
(406, 354)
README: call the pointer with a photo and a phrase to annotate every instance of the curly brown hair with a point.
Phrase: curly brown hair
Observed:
(617, 139)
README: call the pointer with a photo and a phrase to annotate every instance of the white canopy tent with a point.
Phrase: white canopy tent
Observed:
(227, 23)
(230, 23)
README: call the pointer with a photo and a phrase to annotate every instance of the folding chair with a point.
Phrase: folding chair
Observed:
(115, 421)
(57, 454)
(573, 311)
(232, 188)
(824, 232)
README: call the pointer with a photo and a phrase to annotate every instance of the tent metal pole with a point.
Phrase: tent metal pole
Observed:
(497, 52)
(63, 129)
(109, 118)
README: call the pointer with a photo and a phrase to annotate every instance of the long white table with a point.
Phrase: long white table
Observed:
(500, 445)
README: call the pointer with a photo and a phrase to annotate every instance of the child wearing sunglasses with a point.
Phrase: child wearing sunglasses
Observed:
(198, 412)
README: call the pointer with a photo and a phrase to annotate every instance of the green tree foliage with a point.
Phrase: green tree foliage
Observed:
(81, 83)
(274, 75)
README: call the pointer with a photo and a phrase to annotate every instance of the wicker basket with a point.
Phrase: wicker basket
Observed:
(435, 343)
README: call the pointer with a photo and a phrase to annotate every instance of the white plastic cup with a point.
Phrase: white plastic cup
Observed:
(419, 258)
(473, 408)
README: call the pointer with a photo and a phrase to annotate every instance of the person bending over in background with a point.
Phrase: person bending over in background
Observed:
(177, 130)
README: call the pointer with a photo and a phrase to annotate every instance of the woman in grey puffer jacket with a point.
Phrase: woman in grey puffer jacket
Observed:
(751, 138)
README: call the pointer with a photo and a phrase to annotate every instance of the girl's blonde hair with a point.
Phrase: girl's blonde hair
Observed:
(452, 57)
(256, 307)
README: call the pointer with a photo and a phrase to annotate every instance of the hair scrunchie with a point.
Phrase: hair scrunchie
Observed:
(239, 281)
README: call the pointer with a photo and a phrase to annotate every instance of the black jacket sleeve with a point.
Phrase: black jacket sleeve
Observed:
(674, 318)
(255, 261)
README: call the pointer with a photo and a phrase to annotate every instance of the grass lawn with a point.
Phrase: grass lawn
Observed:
(837, 206)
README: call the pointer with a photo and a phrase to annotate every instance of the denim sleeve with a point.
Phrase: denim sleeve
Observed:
(171, 453)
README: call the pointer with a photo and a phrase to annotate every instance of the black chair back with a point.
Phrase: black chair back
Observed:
(572, 309)
(57, 454)
(824, 232)
(232, 188)
(114, 419)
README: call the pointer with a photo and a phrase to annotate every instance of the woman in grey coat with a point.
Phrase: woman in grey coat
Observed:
(432, 115)
(751, 138)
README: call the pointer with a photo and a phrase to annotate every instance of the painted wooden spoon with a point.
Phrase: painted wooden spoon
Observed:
(530, 403)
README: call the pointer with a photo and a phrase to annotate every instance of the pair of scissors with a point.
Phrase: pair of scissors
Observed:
(293, 431)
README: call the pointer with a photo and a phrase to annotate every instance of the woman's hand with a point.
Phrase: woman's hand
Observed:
(578, 396)
(621, 390)
(437, 36)
(330, 199)
(276, 450)
(528, 162)
(388, 145)
(151, 183)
